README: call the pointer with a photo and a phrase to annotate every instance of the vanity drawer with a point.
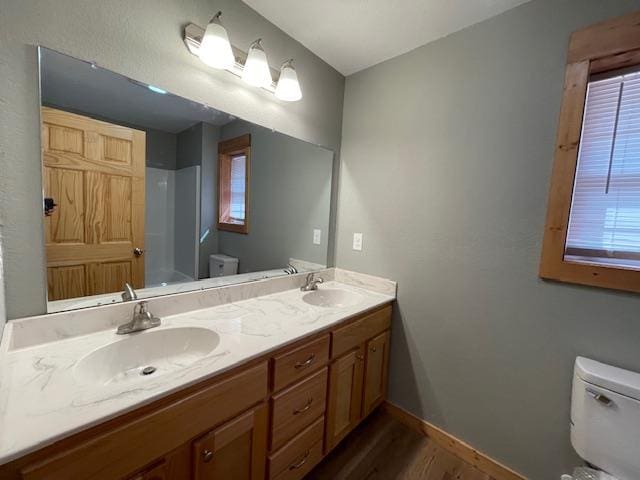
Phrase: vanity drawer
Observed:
(292, 366)
(352, 335)
(297, 407)
(300, 455)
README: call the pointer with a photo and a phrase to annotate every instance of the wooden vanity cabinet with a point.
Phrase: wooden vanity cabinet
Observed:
(357, 378)
(274, 418)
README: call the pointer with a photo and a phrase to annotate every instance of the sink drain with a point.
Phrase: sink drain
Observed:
(148, 370)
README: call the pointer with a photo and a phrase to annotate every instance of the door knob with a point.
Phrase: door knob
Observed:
(138, 252)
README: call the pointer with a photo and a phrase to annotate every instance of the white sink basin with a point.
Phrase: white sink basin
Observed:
(155, 351)
(332, 298)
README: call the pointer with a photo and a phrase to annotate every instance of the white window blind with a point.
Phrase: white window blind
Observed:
(238, 187)
(604, 224)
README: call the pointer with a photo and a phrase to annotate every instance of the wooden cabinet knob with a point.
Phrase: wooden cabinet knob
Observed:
(207, 455)
(360, 357)
(373, 349)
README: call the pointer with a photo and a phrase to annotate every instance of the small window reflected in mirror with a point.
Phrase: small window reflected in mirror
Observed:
(233, 184)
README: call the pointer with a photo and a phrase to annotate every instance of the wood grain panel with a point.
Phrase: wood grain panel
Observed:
(297, 407)
(67, 188)
(66, 282)
(118, 202)
(607, 38)
(65, 139)
(375, 373)
(117, 150)
(344, 402)
(108, 277)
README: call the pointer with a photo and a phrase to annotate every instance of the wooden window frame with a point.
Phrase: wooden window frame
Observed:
(227, 149)
(602, 47)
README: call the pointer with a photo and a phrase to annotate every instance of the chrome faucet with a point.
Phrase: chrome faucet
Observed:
(142, 319)
(311, 283)
(129, 293)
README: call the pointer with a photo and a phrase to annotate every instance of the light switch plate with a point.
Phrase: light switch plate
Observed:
(357, 241)
(317, 236)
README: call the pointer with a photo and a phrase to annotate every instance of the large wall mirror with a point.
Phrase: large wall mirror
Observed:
(148, 190)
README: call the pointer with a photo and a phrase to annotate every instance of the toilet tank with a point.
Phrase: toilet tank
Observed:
(221, 265)
(605, 417)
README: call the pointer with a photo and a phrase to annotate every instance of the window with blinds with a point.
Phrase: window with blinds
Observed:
(233, 184)
(604, 221)
(238, 188)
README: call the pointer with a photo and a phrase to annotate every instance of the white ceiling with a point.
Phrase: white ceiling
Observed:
(352, 35)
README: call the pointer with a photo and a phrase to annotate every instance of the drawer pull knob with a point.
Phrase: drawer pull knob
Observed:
(305, 408)
(306, 363)
(207, 455)
(360, 357)
(295, 466)
(374, 349)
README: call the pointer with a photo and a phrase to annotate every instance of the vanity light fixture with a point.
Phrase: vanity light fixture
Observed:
(256, 68)
(253, 67)
(215, 49)
(155, 89)
(288, 88)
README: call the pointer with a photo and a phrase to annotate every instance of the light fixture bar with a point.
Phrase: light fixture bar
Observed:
(193, 37)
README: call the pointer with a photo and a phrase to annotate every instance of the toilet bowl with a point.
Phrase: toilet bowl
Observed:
(221, 265)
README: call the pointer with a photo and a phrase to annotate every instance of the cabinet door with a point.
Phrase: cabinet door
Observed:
(237, 449)
(345, 396)
(375, 372)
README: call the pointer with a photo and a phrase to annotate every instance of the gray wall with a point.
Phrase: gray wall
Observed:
(209, 190)
(187, 220)
(446, 159)
(198, 145)
(160, 149)
(289, 196)
(142, 40)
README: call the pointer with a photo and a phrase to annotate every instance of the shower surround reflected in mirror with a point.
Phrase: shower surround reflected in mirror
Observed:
(146, 188)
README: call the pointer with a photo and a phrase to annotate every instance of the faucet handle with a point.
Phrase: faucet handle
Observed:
(141, 308)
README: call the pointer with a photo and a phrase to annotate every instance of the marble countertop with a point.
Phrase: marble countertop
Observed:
(42, 399)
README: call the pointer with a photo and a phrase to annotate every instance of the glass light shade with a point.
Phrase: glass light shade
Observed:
(288, 88)
(215, 49)
(256, 69)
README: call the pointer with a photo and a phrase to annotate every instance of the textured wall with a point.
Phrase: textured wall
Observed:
(289, 196)
(143, 40)
(446, 159)
(209, 195)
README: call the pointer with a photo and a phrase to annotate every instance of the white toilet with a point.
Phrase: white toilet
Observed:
(605, 418)
(221, 265)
